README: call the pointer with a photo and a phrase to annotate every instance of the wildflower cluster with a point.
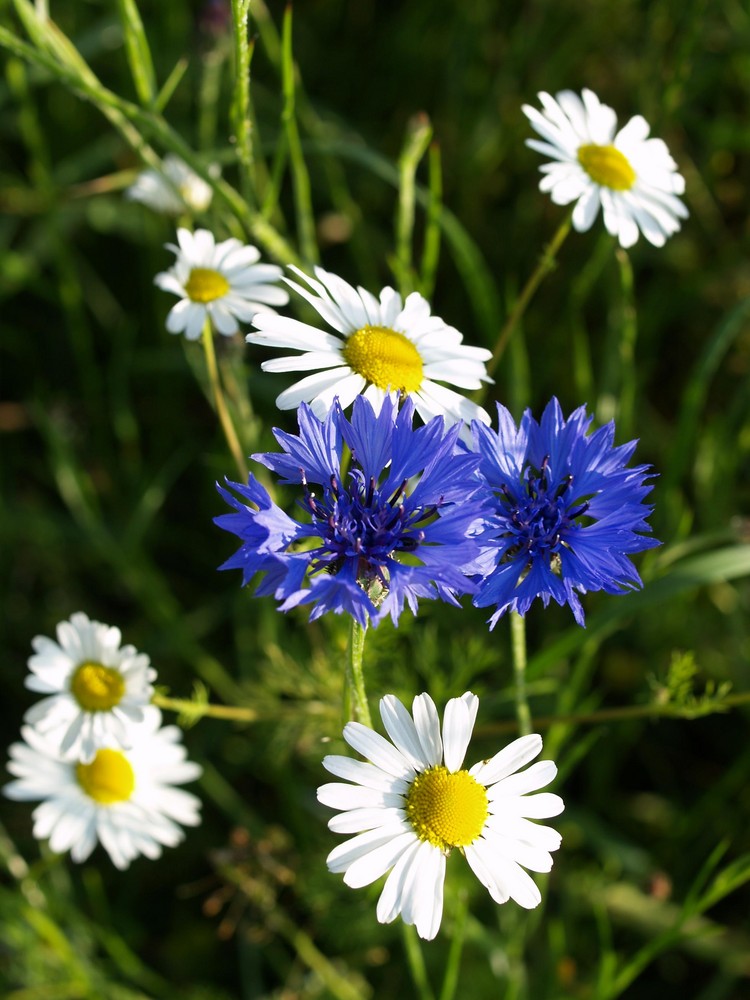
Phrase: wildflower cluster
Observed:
(539, 510)
(413, 496)
(94, 750)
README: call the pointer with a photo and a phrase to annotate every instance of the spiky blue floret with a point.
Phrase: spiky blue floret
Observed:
(567, 512)
(403, 522)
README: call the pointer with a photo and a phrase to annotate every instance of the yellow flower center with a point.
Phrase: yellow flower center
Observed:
(205, 285)
(384, 357)
(607, 166)
(97, 688)
(446, 808)
(108, 778)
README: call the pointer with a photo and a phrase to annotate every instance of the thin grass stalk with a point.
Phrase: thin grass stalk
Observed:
(217, 391)
(544, 267)
(67, 67)
(418, 136)
(171, 84)
(209, 93)
(432, 234)
(138, 52)
(68, 282)
(300, 176)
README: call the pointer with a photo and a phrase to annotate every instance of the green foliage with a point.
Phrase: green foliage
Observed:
(387, 142)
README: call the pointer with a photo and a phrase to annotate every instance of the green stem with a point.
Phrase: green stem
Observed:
(415, 958)
(453, 965)
(543, 268)
(221, 407)
(628, 336)
(518, 652)
(355, 674)
(240, 111)
(195, 710)
(623, 713)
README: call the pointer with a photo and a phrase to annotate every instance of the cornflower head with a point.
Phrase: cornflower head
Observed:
(567, 511)
(401, 524)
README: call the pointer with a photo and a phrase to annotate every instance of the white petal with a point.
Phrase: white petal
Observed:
(480, 863)
(378, 750)
(423, 891)
(458, 723)
(541, 806)
(427, 722)
(521, 829)
(308, 387)
(281, 331)
(346, 389)
(429, 894)
(377, 862)
(516, 755)
(536, 776)
(586, 209)
(351, 850)
(341, 796)
(402, 731)
(357, 820)
(302, 362)
(391, 899)
(363, 773)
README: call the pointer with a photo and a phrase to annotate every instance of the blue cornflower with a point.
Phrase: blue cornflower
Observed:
(566, 513)
(401, 524)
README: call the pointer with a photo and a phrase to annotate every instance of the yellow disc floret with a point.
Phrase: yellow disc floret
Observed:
(446, 808)
(384, 357)
(108, 778)
(97, 688)
(205, 285)
(607, 166)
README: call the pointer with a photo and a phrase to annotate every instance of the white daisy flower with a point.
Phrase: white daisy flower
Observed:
(172, 190)
(412, 803)
(96, 688)
(124, 799)
(377, 346)
(220, 280)
(632, 177)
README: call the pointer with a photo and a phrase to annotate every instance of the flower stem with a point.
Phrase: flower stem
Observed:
(518, 652)
(195, 710)
(417, 968)
(628, 336)
(355, 675)
(453, 965)
(545, 265)
(221, 407)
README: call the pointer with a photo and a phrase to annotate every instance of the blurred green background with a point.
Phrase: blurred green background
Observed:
(110, 452)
